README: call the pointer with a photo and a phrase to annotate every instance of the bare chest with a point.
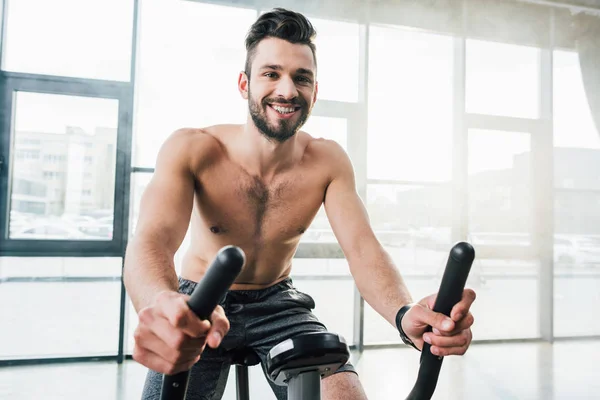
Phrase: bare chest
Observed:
(246, 207)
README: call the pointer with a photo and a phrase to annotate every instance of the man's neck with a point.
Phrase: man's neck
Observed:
(264, 157)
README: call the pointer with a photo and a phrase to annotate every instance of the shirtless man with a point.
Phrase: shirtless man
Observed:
(258, 186)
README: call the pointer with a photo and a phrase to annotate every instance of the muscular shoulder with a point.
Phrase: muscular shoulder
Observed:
(193, 147)
(329, 154)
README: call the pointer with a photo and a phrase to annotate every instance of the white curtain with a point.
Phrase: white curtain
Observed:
(588, 47)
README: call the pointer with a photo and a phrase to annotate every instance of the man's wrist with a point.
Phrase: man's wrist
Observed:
(403, 310)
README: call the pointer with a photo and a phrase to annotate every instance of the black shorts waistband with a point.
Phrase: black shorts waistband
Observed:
(187, 286)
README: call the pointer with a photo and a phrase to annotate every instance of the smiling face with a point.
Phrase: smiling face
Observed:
(282, 89)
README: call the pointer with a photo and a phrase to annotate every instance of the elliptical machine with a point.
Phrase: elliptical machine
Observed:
(302, 361)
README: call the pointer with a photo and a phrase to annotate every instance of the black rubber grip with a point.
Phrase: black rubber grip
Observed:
(453, 283)
(206, 296)
(218, 279)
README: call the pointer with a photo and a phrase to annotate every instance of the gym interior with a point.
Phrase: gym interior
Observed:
(465, 120)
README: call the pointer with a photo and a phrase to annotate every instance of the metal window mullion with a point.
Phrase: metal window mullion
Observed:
(357, 148)
(125, 145)
(65, 86)
(460, 173)
(502, 123)
(543, 196)
(401, 182)
(3, 8)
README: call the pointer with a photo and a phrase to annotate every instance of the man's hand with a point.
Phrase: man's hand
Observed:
(450, 336)
(170, 337)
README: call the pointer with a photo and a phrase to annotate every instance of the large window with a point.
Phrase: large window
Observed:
(576, 203)
(409, 157)
(82, 39)
(65, 112)
(440, 115)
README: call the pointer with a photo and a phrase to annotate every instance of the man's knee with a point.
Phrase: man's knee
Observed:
(343, 385)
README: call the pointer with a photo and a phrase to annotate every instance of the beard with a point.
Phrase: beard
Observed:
(282, 129)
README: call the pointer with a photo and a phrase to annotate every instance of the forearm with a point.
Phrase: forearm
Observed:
(149, 270)
(379, 282)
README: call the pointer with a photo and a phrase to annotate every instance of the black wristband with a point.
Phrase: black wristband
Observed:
(399, 317)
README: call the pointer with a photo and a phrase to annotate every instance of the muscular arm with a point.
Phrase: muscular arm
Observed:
(165, 211)
(374, 272)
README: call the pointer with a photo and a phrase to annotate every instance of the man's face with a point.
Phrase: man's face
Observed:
(282, 87)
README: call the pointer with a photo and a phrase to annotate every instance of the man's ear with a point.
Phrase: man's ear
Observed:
(243, 83)
(316, 91)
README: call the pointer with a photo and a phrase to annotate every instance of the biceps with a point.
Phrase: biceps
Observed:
(165, 209)
(348, 218)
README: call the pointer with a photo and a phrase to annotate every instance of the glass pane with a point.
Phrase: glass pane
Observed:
(500, 223)
(573, 123)
(410, 106)
(63, 167)
(502, 79)
(70, 38)
(414, 225)
(337, 59)
(576, 203)
(71, 307)
(201, 85)
(328, 128)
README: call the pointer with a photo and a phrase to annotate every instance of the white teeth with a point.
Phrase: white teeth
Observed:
(284, 110)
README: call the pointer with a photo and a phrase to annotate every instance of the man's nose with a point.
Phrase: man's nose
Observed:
(286, 88)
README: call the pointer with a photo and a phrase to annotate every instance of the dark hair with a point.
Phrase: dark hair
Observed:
(283, 24)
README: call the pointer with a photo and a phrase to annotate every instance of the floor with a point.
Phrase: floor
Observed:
(531, 370)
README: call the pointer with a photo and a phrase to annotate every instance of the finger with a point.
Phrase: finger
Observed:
(425, 316)
(460, 340)
(156, 363)
(174, 338)
(445, 346)
(147, 339)
(179, 315)
(459, 326)
(461, 308)
(429, 301)
(219, 327)
(465, 323)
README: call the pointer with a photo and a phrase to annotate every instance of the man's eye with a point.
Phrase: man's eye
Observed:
(271, 75)
(303, 79)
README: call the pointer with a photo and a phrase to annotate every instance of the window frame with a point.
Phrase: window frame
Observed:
(17, 82)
